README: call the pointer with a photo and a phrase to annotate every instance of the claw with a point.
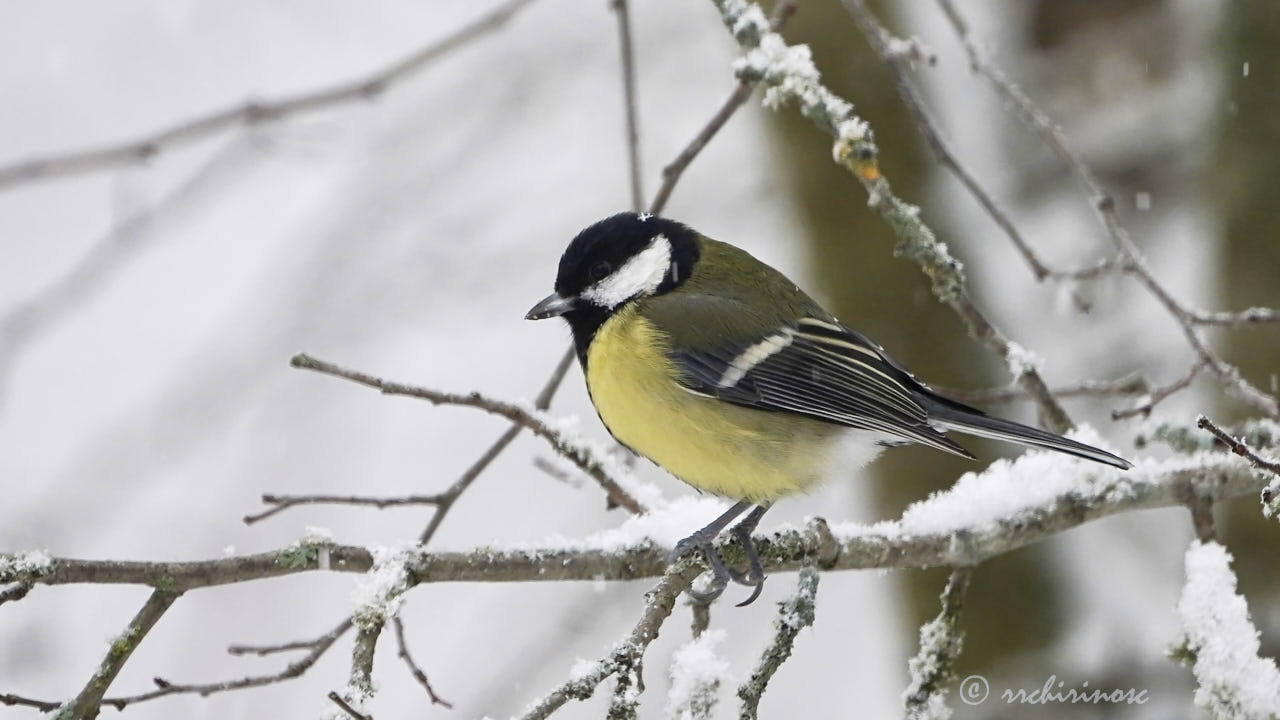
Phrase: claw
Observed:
(704, 541)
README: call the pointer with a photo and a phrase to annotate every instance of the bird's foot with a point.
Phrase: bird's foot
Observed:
(721, 574)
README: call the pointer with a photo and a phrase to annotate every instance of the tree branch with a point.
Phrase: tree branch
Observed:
(417, 672)
(629, 102)
(675, 169)
(254, 112)
(86, 705)
(941, 640)
(794, 614)
(592, 462)
(1129, 385)
(1104, 207)
(790, 76)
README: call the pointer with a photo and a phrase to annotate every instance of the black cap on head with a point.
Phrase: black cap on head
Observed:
(607, 245)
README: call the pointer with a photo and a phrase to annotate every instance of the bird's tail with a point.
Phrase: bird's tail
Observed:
(949, 415)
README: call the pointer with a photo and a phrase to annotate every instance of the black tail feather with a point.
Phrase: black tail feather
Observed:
(949, 415)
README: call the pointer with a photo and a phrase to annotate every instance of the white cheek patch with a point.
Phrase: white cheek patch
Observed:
(754, 355)
(641, 275)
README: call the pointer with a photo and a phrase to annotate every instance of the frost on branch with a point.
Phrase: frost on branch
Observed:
(787, 71)
(697, 673)
(33, 562)
(379, 594)
(1221, 642)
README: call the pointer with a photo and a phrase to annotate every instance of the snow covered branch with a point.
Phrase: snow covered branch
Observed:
(1009, 505)
(1221, 643)
(794, 614)
(1132, 261)
(941, 640)
(789, 75)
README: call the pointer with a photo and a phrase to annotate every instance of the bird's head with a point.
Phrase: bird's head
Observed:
(616, 261)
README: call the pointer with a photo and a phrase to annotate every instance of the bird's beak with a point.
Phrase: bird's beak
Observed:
(551, 306)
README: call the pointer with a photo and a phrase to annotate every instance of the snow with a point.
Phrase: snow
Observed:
(1234, 682)
(583, 669)
(380, 592)
(30, 561)
(663, 526)
(1006, 487)
(697, 673)
(1021, 360)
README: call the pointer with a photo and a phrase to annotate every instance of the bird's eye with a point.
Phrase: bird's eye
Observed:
(601, 270)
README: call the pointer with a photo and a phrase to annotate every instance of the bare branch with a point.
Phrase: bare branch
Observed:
(459, 486)
(884, 44)
(1238, 447)
(346, 707)
(280, 503)
(1129, 385)
(255, 112)
(672, 172)
(418, 674)
(86, 704)
(794, 614)
(629, 98)
(1161, 393)
(1104, 208)
(1252, 316)
(592, 463)
(941, 640)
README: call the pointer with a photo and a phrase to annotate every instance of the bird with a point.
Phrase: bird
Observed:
(722, 371)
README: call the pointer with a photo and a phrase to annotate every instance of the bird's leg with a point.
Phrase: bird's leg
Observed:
(755, 569)
(704, 541)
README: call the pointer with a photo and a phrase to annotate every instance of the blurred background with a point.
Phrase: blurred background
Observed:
(147, 315)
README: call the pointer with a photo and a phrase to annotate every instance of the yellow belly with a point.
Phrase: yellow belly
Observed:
(725, 449)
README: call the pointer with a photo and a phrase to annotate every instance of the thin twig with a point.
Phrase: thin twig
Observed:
(884, 44)
(255, 112)
(15, 592)
(1130, 385)
(672, 172)
(459, 486)
(1238, 447)
(1104, 208)
(794, 614)
(418, 673)
(941, 640)
(280, 503)
(86, 704)
(1162, 393)
(590, 463)
(1252, 316)
(346, 707)
(775, 64)
(629, 101)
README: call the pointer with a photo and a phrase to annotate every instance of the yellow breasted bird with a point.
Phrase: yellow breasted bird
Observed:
(722, 371)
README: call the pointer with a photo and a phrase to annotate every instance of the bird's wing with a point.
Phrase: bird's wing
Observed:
(814, 367)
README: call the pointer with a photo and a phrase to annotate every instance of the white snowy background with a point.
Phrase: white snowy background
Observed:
(406, 237)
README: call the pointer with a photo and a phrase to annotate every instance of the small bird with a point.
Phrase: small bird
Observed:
(722, 371)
